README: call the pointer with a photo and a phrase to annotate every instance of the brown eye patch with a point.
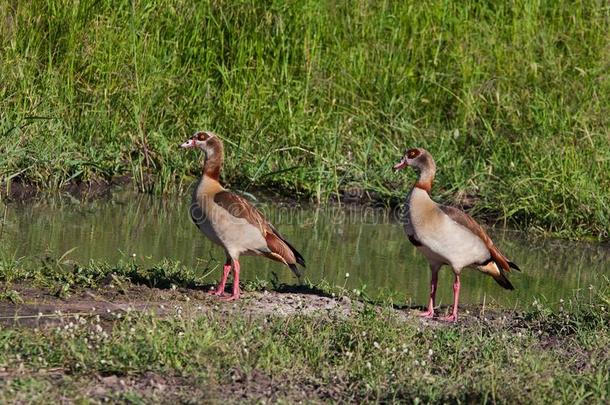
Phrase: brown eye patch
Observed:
(413, 153)
(201, 136)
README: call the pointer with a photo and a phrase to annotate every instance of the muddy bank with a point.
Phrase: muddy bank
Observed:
(39, 308)
(17, 191)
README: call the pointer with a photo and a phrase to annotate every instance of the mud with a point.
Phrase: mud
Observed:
(39, 308)
(239, 387)
(95, 189)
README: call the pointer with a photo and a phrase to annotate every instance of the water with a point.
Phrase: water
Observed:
(370, 245)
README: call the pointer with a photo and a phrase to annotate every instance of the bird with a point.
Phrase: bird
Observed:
(230, 221)
(446, 235)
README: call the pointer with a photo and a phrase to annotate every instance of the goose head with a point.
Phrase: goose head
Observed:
(206, 141)
(200, 139)
(418, 158)
(423, 163)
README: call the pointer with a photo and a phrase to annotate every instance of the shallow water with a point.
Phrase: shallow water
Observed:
(368, 244)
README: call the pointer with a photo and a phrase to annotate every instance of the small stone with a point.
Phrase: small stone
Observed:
(110, 380)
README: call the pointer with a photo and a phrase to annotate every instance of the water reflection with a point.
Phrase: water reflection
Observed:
(368, 244)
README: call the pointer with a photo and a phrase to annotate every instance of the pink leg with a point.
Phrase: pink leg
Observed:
(236, 291)
(220, 290)
(433, 283)
(456, 298)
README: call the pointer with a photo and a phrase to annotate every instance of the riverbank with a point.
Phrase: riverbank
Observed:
(318, 100)
(119, 333)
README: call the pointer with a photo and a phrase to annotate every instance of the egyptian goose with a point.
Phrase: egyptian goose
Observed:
(232, 222)
(446, 235)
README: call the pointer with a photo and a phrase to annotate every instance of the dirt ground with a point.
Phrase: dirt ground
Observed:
(252, 387)
(100, 188)
(40, 309)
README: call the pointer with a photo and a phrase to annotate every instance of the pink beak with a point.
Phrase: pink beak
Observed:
(400, 165)
(189, 144)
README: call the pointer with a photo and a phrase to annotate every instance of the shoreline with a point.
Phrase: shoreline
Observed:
(36, 307)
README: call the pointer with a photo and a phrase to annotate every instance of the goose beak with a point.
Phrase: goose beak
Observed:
(189, 144)
(400, 165)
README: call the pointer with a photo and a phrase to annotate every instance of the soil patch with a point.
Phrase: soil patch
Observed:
(40, 308)
(257, 387)
(253, 387)
(150, 387)
(100, 188)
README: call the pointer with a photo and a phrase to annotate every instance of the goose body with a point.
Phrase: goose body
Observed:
(230, 221)
(443, 241)
(235, 234)
(446, 235)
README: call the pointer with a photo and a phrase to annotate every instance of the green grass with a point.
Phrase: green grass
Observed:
(535, 356)
(61, 277)
(316, 98)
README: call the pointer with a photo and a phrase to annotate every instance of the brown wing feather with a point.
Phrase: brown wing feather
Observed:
(239, 207)
(468, 222)
(278, 247)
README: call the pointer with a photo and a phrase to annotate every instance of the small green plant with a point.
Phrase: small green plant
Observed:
(11, 295)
